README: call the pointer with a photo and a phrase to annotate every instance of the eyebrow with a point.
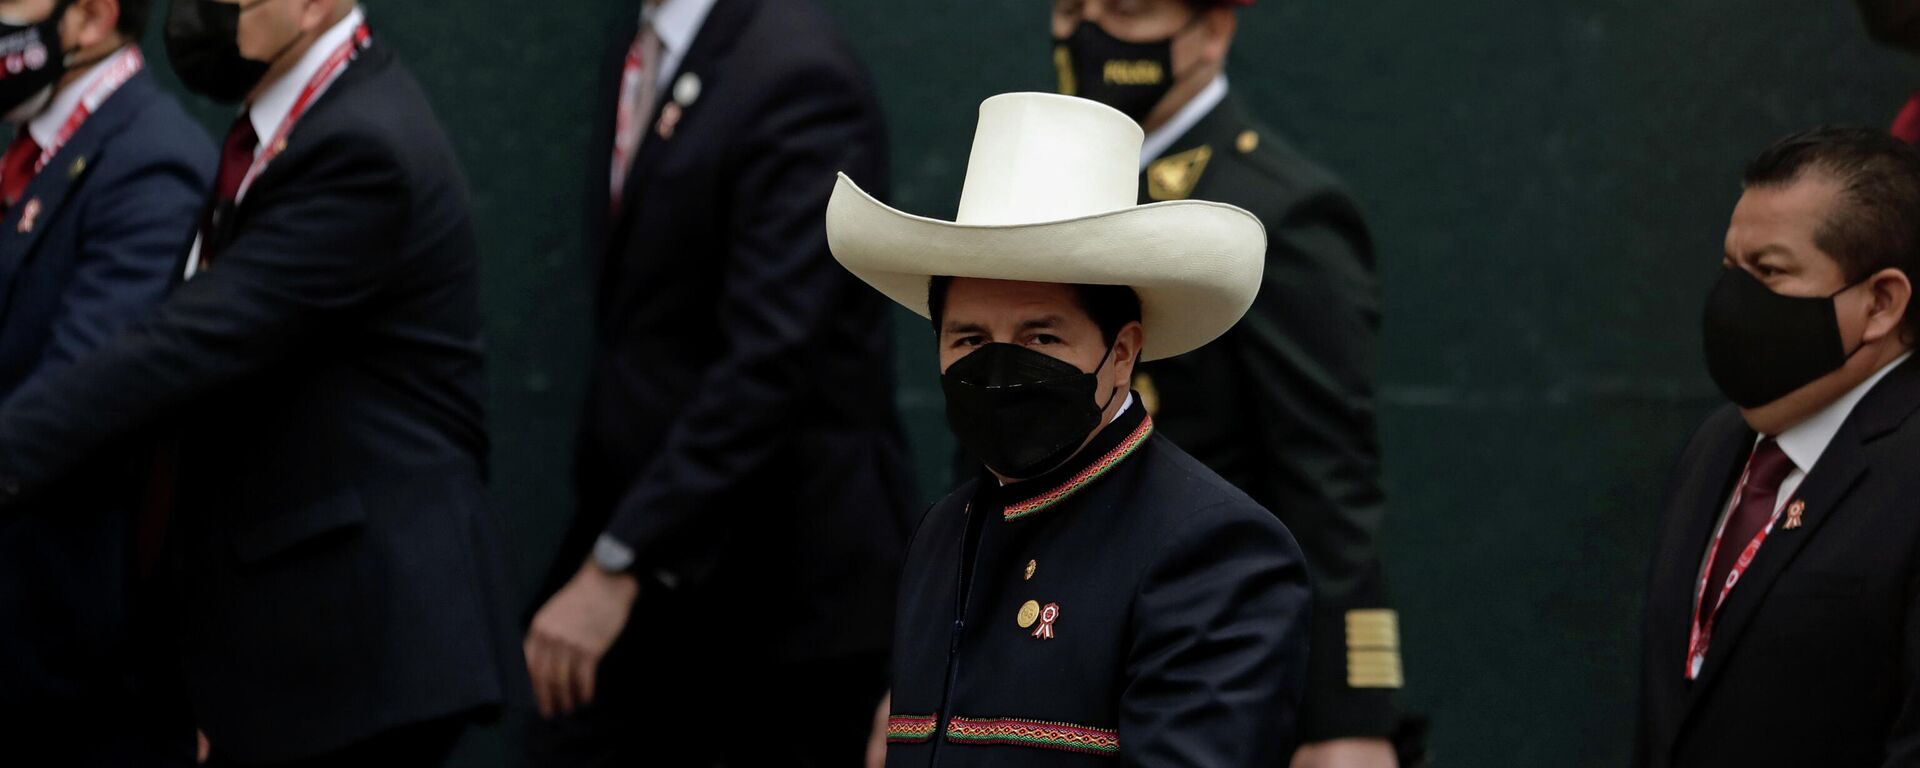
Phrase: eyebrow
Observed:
(959, 328)
(1036, 324)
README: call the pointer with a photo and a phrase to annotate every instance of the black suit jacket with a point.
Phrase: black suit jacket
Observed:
(1815, 659)
(739, 431)
(337, 569)
(88, 252)
(1282, 405)
(1180, 637)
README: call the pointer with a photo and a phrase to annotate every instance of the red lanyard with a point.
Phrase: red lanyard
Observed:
(1701, 634)
(114, 73)
(329, 72)
(625, 135)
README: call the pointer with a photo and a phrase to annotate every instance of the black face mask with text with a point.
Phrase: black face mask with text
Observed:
(31, 60)
(1761, 345)
(1021, 412)
(1130, 77)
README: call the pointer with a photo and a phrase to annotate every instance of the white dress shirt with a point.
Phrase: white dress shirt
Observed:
(45, 127)
(270, 110)
(1162, 138)
(676, 23)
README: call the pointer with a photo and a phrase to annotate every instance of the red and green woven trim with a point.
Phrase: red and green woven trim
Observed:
(1034, 733)
(1093, 472)
(910, 729)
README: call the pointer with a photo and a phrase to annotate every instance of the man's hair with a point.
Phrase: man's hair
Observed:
(1110, 306)
(133, 19)
(1876, 222)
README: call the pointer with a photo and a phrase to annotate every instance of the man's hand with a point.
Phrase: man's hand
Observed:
(572, 632)
(1347, 753)
(877, 740)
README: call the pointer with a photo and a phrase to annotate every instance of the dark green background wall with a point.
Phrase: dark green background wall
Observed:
(1548, 181)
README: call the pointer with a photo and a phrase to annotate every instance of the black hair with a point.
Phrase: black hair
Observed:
(1111, 307)
(1876, 224)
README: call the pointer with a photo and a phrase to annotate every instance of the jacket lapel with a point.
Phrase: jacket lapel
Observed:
(1695, 509)
(1824, 493)
(26, 221)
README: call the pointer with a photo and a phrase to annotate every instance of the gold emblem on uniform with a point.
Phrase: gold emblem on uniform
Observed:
(79, 167)
(1373, 649)
(1248, 142)
(1174, 176)
(1029, 613)
(1137, 72)
(1063, 64)
(1032, 565)
(1794, 511)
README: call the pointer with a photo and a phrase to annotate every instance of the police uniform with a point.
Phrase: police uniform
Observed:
(1129, 603)
(1282, 405)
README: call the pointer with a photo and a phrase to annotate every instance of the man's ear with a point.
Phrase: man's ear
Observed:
(89, 23)
(1888, 292)
(1127, 345)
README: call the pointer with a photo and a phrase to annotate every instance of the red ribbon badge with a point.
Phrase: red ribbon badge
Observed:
(1047, 617)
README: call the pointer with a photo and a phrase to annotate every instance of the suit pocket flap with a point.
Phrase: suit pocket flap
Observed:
(279, 534)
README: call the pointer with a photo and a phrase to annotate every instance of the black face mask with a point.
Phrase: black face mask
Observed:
(1021, 412)
(203, 44)
(1761, 345)
(31, 60)
(1130, 77)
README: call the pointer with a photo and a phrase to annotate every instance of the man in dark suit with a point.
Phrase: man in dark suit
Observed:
(1896, 24)
(1781, 619)
(742, 485)
(1282, 406)
(337, 574)
(100, 187)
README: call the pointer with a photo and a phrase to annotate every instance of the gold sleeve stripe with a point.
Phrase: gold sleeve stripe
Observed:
(1373, 649)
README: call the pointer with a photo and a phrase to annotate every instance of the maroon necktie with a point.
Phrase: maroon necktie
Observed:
(16, 170)
(235, 160)
(1758, 497)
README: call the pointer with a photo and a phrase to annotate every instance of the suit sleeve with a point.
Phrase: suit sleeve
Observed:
(136, 227)
(1306, 350)
(780, 281)
(1903, 740)
(1894, 23)
(314, 250)
(1219, 644)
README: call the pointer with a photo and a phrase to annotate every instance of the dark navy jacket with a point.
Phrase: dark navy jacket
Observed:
(87, 251)
(1177, 610)
(339, 571)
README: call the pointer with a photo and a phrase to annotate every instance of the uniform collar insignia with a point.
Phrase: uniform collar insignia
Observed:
(1173, 177)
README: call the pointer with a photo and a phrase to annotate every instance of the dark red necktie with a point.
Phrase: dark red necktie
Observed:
(235, 160)
(1758, 497)
(16, 170)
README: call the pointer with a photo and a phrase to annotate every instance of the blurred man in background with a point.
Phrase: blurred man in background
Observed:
(1282, 406)
(101, 188)
(1782, 624)
(742, 484)
(339, 593)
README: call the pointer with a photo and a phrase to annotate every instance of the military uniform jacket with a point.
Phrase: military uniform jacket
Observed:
(1129, 608)
(1282, 405)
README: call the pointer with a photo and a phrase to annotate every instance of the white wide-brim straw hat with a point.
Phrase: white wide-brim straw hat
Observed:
(1050, 197)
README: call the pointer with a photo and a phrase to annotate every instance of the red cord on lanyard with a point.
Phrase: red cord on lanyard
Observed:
(335, 65)
(1701, 634)
(117, 70)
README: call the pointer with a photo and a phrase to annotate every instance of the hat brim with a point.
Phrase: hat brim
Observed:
(1195, 265)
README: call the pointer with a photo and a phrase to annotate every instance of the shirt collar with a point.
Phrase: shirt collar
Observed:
(45, 127)
(270, 110)
(1162, 138)
(1804, 442)
(675, 22)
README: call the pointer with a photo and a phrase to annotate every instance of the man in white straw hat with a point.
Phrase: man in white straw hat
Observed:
(1095, 591)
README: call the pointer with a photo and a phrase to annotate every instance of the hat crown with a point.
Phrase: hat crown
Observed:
(1040, 157)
